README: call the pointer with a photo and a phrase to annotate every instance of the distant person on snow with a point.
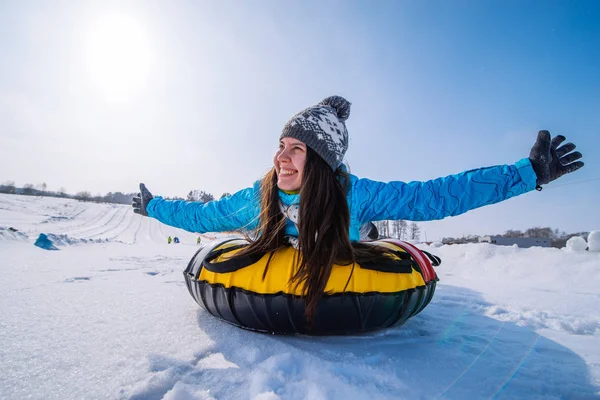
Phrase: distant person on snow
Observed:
(168, 239)
(198, 240)
(175, 239)
(310, 201)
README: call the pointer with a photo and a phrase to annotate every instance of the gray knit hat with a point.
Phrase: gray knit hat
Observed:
(322, 128)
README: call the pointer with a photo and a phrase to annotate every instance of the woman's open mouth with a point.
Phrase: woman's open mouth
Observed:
(287, 172)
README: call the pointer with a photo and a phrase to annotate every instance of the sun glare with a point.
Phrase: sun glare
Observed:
(118, 57)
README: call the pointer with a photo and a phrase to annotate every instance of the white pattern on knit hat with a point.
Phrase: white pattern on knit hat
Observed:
(322, 128)
(325, 118)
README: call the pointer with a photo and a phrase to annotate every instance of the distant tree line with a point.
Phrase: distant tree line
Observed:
(200, 195)
(398, 229)
(557, 238)
(29, 189)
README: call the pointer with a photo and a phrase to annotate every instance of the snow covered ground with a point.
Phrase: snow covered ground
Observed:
(109, 316)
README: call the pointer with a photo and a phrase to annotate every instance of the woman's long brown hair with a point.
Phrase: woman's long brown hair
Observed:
(323, 228)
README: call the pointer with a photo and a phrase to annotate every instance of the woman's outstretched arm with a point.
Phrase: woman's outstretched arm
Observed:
(442, 197)
(238, 211)
(456, 194)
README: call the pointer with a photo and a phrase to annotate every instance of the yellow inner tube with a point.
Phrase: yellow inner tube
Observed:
(282, 268)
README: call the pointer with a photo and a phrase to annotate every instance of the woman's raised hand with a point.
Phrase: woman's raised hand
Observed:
(140, 202)
(550, 161)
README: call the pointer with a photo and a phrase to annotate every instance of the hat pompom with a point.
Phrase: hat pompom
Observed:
(339, 104)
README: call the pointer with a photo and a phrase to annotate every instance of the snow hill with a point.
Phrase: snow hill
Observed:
(109, 316)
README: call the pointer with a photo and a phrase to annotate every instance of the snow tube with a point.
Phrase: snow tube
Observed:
(43, 242)
(358, 298)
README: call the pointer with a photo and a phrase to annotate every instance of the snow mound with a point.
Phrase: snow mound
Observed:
(66, 240)
(594, 241)
(538, 319)
(50, 241)
(437, 244)
(11, 234)
(56, 219)
(576, 243)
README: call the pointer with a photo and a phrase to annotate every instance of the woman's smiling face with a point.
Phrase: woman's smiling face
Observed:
(289, 164)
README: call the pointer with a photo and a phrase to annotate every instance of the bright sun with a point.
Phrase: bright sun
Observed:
(118, 57)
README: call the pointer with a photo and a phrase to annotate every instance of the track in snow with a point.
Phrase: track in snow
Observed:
(85, 221)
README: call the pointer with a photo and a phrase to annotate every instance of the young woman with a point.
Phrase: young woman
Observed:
(309, 200)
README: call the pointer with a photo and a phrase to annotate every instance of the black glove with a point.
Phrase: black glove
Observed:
(140, 202)
(549, 161)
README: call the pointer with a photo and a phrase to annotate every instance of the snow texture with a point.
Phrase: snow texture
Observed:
(109, 316)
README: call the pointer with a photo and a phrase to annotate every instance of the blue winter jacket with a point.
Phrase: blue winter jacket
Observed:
(367, 200)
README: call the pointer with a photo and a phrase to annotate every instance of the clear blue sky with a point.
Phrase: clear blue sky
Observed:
(192, 95)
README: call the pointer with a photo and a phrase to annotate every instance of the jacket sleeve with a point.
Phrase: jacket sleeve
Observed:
(442, 197)
(237, 211)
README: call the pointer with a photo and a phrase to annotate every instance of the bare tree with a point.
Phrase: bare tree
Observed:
(83, 196)
(383, 228)
(206, 197)
(28, 189)
(415, 231)
(199, 195)
(513, 233)
(558, 234)
(539, 232)
(8, 187)
(402, 228)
